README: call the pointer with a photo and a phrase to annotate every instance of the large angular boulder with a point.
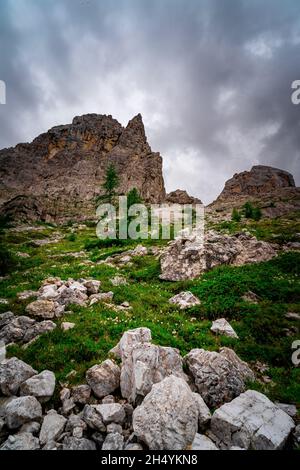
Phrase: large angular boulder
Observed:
(129, 339)
(219, 377)
(146, 365)
(52, 427)
(103, 378)
(251, 421)
(13, 372)
(22, 410)
(168, 417)
(190, 256)
(41, 386)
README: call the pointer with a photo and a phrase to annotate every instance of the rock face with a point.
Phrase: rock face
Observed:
(68, 163)
(251, 421)
(181, 197)
(259, 180)
(168, 416)
(219, 377)
(188, 257)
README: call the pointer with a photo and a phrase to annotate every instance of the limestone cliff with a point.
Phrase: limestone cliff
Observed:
(58, 176)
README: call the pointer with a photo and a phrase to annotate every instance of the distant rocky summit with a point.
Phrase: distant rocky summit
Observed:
(181, 197)
(58, 176)
(272, 189)
(259, 180)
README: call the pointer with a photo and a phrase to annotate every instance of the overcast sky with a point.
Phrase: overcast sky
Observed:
(212, 78)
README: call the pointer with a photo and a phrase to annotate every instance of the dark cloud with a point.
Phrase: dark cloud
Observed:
(212, 78)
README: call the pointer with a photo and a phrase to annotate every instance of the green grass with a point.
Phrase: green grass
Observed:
(261, 328)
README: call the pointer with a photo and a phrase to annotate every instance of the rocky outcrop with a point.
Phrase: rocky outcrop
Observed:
(271, 189)
(58, 176)
(144, 364)
(259, 180)
(188, 257)
(181, 197)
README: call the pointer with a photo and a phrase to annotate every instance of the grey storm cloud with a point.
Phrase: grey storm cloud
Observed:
(212, 78)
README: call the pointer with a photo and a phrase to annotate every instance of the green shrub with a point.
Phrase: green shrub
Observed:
(7, 261)
(235, 215)
(71, 237)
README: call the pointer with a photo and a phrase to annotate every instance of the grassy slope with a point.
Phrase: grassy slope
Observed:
(261, 328)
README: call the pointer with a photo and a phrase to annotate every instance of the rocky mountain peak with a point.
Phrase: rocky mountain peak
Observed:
(60, 173)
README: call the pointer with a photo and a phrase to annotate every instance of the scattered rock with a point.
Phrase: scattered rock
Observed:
(134, 446)
(118, 281)
(202, 442)
(104, 378)
(21, 441)
(81, 394)
(250, 297)
(73, 443)
(93, 418)
(222, 327)
(251, 421)
(103, 297)
(292, 316)
(66, 325)
(13, 372)
(185, 300)
(52, 427)
(114, 427)
(33, 427)
(41, 386)
(219, 377)
(27, 294)
(139, 250)
(168, 417)
(92, 287)
(21, 410)
(22, 329)
(111, 413)
(45, 309)
(113, 441)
